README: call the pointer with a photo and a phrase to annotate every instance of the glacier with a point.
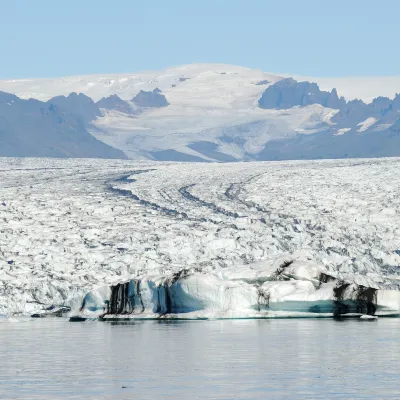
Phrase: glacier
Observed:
(77, 229)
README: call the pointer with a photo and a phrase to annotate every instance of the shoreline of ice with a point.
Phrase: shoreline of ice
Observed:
(287, 289)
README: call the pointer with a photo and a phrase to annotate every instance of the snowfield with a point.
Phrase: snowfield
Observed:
(213, 113)
(205, 99)
(216, 83)
(278, 236)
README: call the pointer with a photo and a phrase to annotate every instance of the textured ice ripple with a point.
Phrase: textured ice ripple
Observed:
(63, 232)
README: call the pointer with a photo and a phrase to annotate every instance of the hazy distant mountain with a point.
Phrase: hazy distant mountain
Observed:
(31, 128)
(357, 129)
(289, 93)
(79, 105)
(150, 99)
(212, 112)
(115, 103)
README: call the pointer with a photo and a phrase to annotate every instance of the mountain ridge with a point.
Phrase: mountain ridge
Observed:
(208, 112)
(31, 128)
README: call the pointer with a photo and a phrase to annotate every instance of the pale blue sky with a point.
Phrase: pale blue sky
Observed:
(43, 38)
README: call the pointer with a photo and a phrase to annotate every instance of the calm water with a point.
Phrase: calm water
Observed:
(247, 359)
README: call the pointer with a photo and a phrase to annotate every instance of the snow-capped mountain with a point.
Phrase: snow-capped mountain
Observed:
(33, 128)
(213, 112)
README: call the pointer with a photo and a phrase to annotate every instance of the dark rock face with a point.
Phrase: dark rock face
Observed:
(333, 100)
(114, 102)
(262, 83)
(395, 128)
(381, 108)
(384, 143)
(150, 99)
(381, 104)
(31, 128)
(289, 93)
(352, 112)
(396, 102)
(378, 138)
(79, 105)
(7, 97)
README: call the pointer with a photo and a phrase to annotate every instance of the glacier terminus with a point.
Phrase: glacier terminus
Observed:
(110, 239)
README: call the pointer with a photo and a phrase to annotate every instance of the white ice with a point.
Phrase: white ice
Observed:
(364, 125)
(261, 290)
(63, 232)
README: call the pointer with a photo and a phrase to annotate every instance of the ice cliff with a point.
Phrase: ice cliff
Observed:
(296, 288)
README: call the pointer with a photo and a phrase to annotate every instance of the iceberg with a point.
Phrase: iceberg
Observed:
(52, 311)
(293, 288)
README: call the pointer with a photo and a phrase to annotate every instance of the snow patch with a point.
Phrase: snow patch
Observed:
(366, 124)
(342, 131)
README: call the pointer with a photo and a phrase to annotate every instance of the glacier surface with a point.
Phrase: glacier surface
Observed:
(224, 240)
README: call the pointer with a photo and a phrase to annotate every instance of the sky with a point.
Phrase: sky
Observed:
(42, 38)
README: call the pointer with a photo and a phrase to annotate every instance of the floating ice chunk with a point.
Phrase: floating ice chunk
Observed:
(295, 288)
(368, 317)
(388, 299)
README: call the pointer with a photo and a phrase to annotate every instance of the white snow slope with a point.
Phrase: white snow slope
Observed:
(71, 226)
(207, 102)
(226, 77)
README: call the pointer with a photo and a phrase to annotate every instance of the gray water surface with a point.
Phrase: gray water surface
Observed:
(242, 359)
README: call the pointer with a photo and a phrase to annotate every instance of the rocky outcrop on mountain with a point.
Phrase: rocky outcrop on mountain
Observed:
(154, 99)
(352, 116)
(352, 112)
(262, 83)
(381, 108)
(288, 93)
(380, 105)
(395, 128)
(31, 128)
(332, 100)
(352, 144)
(115, 103)
(79, 105)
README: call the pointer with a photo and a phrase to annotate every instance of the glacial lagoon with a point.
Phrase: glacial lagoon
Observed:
(221, 359)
